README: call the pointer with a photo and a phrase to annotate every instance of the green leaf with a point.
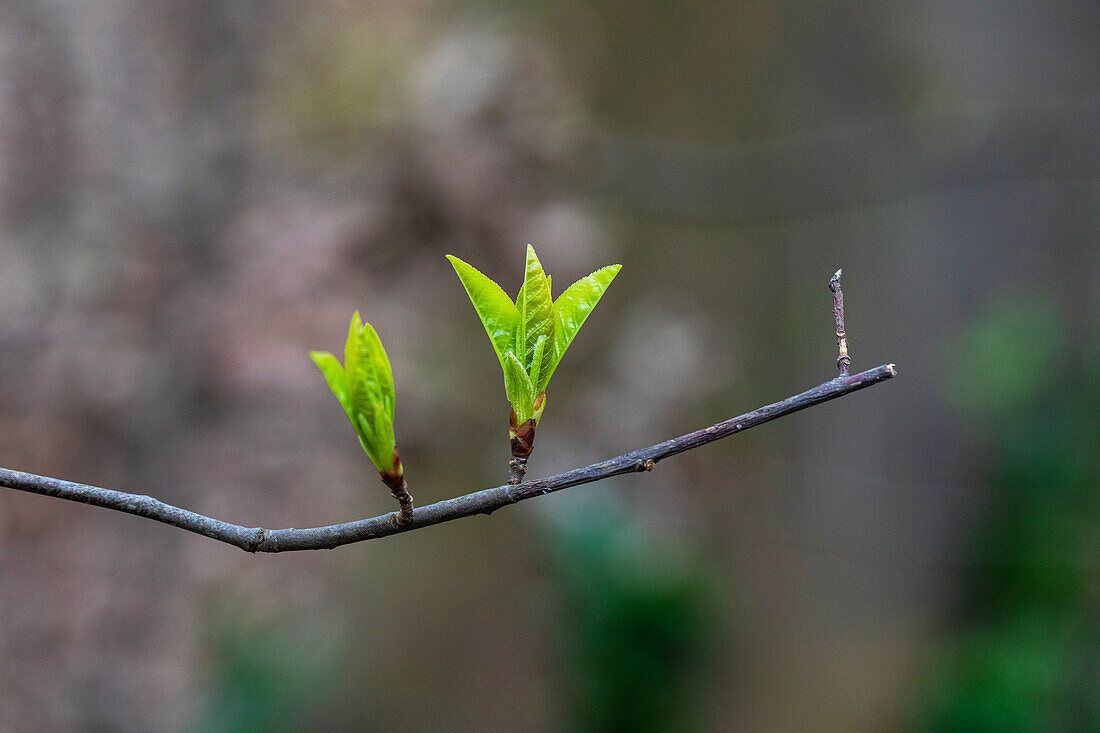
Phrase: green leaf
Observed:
(368, 373)
(530, 336)
(571, 309)
(334, 375)
(541, 361)
(517, 385)
(376, 436)
(498, 313)
(536, 312)
(364, 387)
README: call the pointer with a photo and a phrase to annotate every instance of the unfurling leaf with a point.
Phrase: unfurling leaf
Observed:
(530, 336)
(364, 387)
(536, 312)
(572, 308)
(497, 311)
(334, 374)
(518, 387)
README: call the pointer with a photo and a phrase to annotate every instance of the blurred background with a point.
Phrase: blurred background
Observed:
(194, 195)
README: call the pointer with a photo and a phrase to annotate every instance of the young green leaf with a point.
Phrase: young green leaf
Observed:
(536, 311)
(364, 387)
(571, 309)
(497, 311)
(334, 375)
(368, 367)
(530, 336)
(518, 388)
(540, 361)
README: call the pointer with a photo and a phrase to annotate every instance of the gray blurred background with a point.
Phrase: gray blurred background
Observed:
(195, 194)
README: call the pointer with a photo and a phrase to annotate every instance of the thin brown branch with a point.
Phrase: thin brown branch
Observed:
(405, 501)
(258, 539)
(522, 441)
(843, 361)
(399, 490)
(517, 469)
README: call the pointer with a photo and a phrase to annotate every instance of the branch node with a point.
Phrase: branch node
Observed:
(263, 541)
(649, 464)
(257, 541)
(517, 469)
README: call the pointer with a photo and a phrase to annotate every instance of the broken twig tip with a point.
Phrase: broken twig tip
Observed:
(843, 361)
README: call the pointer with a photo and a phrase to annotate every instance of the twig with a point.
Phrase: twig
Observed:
(399, 490)
(257, 539)
(517, 469)
(843, 361)
(522, 442)
(404, 502)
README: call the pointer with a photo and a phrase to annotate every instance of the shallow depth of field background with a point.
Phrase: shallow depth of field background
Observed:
(194, 195)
